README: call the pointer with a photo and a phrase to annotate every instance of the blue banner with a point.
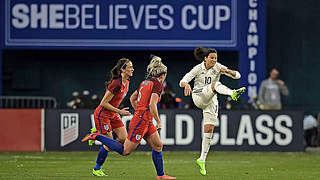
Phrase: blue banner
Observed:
(253, 45)
(121, 23)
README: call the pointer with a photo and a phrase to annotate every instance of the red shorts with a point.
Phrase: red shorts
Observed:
(105, 122)
(139, 128)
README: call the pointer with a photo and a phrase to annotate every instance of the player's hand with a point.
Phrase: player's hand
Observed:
(187, 90)
(125, 112)
(280, 82)
(158, 126)
(224, 70)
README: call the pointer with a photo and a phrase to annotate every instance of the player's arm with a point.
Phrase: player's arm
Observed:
(133, 99)
(187, 88)
(154, 109)
(184, 83)
(105, 103)
(231, 73)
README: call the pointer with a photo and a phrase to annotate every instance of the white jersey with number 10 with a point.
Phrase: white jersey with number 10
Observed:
(203, 76)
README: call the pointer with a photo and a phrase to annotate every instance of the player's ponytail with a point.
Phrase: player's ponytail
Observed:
(156, 68)
(116, 70)
(200, 53)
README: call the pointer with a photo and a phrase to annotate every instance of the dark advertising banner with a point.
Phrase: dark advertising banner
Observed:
(182, 130)
(65, 128)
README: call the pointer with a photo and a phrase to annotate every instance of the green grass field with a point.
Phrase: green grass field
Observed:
(220, 165)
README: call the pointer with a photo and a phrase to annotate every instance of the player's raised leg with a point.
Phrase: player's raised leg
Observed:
(236, 93)
(222, 89)
(110, 143)
(122, 149)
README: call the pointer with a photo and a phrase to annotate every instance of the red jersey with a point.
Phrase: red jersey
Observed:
(146, 88)
(119, 91)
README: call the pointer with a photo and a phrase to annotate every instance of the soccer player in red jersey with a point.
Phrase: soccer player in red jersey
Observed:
(107, 114)
(144, 101)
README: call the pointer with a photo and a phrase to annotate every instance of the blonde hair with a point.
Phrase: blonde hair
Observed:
(156, 68)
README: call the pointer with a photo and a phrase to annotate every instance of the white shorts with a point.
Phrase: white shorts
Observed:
(207, 100)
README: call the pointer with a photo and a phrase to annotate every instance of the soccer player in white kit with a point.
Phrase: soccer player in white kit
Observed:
(204, 94)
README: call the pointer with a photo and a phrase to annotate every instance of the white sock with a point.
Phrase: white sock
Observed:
(222, 89)
(206, 141)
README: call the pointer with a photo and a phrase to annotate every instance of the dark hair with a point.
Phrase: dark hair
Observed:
(116, 70)
(200, 53)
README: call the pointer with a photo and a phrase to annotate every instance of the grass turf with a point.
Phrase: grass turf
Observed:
(220, 165)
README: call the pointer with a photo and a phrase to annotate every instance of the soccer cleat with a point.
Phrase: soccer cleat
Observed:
(202, 166)
(91, 136)
(165, 176)
(236, 93)
(91, 142)
(98, 172)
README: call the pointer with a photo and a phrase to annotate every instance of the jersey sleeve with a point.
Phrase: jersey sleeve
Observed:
(157, 88)
(190, 75)
(114, 86)
(237, 76)
(221, 66)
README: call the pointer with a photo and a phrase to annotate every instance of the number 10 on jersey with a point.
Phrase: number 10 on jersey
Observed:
(207, 80)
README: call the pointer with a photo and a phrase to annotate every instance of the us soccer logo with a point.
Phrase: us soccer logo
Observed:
(69, 128)
(106, 127)
(138, 137)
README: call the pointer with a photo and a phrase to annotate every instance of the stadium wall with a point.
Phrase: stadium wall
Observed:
(62, 130)
(58, 74)
(293, 48)
(22, 129)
